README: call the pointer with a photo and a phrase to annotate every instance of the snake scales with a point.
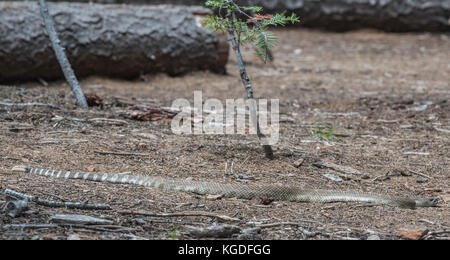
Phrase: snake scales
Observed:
(240, 191)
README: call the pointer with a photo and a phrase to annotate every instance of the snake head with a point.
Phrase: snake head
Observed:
(427, 202)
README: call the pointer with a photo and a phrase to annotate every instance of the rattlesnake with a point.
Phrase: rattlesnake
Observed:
(241, 191)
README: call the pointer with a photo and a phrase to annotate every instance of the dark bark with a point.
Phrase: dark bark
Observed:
(61, 56)
(387, 15)
(112, 40)
(341, 15)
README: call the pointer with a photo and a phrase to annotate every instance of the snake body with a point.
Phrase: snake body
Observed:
(241, 191)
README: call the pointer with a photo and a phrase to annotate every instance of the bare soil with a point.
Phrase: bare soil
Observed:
(386, 96)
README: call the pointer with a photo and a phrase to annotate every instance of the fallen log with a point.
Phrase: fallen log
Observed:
(110, 40)
(387, 15)
(343, 15)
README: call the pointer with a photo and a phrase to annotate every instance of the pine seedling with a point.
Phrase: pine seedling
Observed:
(244, 25)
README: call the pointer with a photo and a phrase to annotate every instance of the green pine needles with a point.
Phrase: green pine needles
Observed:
(245, 24)
(249, 25)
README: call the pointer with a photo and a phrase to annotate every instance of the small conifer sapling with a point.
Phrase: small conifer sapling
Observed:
(246, 24)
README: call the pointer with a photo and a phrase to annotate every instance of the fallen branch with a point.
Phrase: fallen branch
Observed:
(63, 140)
(56, 204)
(180, 214)
(322, 142)
(98, 121)
(298, 225)
(58, 118)
(339, 168)
(383, 121)
(442, 130)
(79, 219)
(416, 153)
(109, 121)
(27, 225)
(221, 231)
(16, 128)
(420, 174)
(434, 233)
(109, 228)
(143, 113)
(120, 153)
(32, 104)
(309, 126)
(334, 115)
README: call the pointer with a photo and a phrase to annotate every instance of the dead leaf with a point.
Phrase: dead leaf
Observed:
(412, 234)
(151, 114)
(141, 146)
(91, 168)
(50, 236)
(93, 99)
(261, 201)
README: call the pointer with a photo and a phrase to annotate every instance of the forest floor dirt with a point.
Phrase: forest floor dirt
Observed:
(385, 97)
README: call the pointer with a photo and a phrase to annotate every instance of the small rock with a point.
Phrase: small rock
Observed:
(147, 136)
(421, 180)
(139, 221)
(332, 176)
(373, 237)
(298, 51)
(405, 173)
(406, 126)
(74, 237)
(214, 197)
(298, 163)
(365, 176)
(241, 176)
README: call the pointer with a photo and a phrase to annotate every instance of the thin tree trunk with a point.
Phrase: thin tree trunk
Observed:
(61, 56)
(248, 87)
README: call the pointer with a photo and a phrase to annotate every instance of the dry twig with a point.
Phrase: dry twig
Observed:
(181, 214)
(120, 153)
(56, 204)
(32, 104)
